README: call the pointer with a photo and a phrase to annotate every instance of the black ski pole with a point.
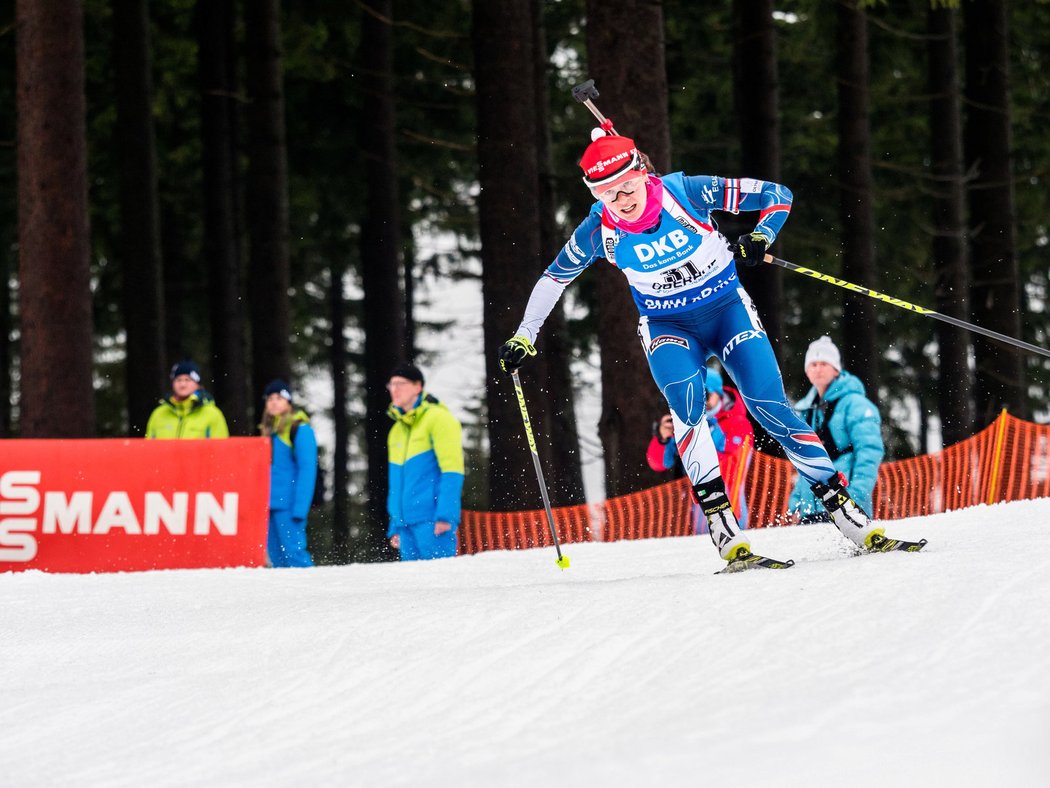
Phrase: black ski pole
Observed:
(563, 560)
(801, 269)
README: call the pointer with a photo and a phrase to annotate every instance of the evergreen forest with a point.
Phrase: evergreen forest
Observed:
(274, 188)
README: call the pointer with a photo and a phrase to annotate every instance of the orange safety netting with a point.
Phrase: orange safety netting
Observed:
(1007, 461)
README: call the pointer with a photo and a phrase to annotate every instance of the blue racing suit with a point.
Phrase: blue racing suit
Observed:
(684, 282)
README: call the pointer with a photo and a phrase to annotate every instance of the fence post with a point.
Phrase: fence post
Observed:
(997, 457)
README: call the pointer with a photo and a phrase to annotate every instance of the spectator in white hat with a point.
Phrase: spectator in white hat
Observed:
(848, 425)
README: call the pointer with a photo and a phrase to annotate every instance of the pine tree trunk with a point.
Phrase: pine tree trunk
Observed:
(266, 198)
(509, 215)
(756, 101)
(215, 20)
(566, 485)
(955, 379)
(338, 362)
(633, 91)
(57, 399)
(6, 356)
(995, 289)
(175, 284)
(139, 243)
(409, 256)
(383, 307)
(856, 202)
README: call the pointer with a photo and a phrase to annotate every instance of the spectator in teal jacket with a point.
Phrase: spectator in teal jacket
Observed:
(190, 411)
(293, 474)
(848, 424)
(425, 449)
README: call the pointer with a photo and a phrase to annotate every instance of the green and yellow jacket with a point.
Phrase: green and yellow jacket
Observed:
(197, 416)
(425, 448)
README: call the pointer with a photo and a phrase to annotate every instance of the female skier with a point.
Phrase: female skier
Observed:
(682, 273)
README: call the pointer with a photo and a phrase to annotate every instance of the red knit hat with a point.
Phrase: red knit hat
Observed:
(608, 158)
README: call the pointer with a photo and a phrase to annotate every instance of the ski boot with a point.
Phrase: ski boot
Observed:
(853, 521)
(725, 530)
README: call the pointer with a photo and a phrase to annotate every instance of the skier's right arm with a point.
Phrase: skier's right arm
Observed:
(580, 251)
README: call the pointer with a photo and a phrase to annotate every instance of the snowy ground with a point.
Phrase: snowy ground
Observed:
(637, 666)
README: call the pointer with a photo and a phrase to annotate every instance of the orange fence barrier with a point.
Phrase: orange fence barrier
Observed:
(1007, 461)
(517, 530)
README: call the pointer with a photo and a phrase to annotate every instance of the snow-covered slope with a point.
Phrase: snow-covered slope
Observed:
(637, 666)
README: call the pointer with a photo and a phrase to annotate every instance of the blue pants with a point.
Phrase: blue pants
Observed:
(286, 541)
(418, 542)
(677, 348)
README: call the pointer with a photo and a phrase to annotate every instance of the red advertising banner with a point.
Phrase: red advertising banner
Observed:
(131, 505)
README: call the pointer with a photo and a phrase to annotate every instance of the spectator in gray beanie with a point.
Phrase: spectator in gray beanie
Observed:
(847, 423)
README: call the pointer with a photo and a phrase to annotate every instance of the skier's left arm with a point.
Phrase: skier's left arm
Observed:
(447, 438)
(733, 195)
(864, 432)
(305, 454)
(771, 200)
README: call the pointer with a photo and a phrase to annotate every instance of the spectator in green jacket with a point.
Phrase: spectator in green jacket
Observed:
(425, 449)
(190, 411)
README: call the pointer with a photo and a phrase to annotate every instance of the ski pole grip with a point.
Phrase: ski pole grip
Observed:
(585, 91)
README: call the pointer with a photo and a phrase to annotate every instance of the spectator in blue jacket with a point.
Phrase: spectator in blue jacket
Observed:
(848, 424)
(293, 474)
(425, 449)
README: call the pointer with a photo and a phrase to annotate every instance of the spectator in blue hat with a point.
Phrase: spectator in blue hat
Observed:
(293, 475)
(190, 411)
